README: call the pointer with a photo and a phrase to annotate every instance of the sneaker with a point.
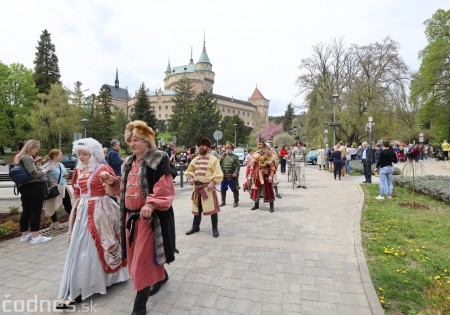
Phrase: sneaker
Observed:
(25, 238)
(379, 197)
(40, 239)
(389, 197)
(56, 226)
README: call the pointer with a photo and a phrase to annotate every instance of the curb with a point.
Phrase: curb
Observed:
(366, 280)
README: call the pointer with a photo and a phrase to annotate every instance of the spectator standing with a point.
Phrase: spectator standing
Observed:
(230, 165)
(299, 159)
(367, 159)
(321, 158)
(336, 155)
(387, 156)
(283, 156)
(32, 193)
(445, 147)
(114, 159)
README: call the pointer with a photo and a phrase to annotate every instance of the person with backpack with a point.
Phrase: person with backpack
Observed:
(32, 193)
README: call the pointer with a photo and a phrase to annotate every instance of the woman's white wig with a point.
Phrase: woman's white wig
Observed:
(94, 148)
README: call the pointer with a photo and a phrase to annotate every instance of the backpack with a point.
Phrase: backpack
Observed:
(19, 174)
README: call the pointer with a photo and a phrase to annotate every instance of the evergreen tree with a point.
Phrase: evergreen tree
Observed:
(203, 118)
(104, 105)
(242, 131)
(142, 109)
(46, 68)
(184, 96)
(288, 117)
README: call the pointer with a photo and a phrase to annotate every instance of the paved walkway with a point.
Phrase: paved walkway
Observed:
(305, 258)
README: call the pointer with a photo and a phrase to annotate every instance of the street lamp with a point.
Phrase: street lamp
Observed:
(235, 132)
(85, 123)
(369, 129)
(325, 139)
(334, 98)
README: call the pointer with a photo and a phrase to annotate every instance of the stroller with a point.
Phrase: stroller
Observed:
(439, 155)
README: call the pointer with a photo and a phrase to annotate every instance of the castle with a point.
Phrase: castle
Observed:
(201, 76)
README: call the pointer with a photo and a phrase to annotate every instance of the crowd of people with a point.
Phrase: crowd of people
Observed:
(121, 220)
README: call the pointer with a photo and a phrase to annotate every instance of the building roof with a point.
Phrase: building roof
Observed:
(230, 99)
(183, 69)
(168, 69)
(204, 56)
(164, 92)
(257, 95)
(119, 93)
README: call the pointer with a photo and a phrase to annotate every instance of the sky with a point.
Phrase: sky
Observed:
(249, 42)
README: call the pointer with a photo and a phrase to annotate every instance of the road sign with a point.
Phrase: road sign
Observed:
(217, 135)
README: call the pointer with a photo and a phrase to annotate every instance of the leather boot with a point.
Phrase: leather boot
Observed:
(155, 288)
(256, 206)
(195, 225)
(224, 196)
(140, 302)
(214, 220)
(276, 192)
(236, 199)
(271, 207)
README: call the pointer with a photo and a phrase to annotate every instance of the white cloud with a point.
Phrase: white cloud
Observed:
(249, 42)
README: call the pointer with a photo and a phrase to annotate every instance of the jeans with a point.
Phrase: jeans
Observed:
(385, 174)
(347, 167)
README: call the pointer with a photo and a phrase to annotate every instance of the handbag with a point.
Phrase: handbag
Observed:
(51, 191)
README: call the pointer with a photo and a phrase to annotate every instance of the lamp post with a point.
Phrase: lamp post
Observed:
(334, 98)
(235, 133)
(369, 129)
(85, 123)
(325, 139)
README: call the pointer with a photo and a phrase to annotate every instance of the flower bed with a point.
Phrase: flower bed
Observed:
(435, 186)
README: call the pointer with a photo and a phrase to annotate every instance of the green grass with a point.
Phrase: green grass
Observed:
(408, 252)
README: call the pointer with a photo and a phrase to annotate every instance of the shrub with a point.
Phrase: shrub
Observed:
(358, 167)
(14, 210)
(436, 186)
(7, 227)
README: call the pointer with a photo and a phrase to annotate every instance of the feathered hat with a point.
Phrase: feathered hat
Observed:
(203, 141)
(141, 130)
(229, 145)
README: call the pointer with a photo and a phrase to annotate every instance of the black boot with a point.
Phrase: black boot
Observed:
(276, 192)
(236, 199)
(271, 207)
(140, 302)
(256, 206)
(155, 288)
(224, 196)
(214, 220)
(195, 225)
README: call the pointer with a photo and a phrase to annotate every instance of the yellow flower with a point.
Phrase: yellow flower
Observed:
(437, 277)
(381, 289)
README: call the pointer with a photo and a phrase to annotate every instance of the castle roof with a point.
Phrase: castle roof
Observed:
(119, 93)
(257, 95)
(168, 69)
(183, 69)
(204, 56)
(231, 99)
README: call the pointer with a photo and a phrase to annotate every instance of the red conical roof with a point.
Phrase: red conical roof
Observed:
(257, 95)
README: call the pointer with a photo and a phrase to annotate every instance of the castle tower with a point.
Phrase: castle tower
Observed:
(168, 70)
(204, 68)
(116, 82)
(262, 105)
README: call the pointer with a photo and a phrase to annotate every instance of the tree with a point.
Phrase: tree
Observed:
(77, 97)
(288, 117)
(17, 96)
(103, 116)
(46, 68)
(204, 118)
(430, 87)
(283, 139)
(142, 109)
(268, 132)
(54, 121)
(120, 121)
(242, 131)
(183, 100)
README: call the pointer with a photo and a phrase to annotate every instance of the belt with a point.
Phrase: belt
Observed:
(131, 222)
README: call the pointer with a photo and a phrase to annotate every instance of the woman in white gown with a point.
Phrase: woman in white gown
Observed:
(94, 259)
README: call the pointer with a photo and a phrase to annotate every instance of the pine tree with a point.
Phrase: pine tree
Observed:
(46, 68)
(142, 109)
(288, 117)
(204, 118)
(184, 96)
(104, 105)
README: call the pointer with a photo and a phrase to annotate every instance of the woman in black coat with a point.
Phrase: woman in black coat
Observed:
(337, 162)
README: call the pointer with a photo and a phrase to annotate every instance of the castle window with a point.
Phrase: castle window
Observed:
(159, 115)
(248, 123)
(223, 109)
(233, 111)
(228, 110)
(239, 112)
(167, 107)
(248, 114)
(167, 115)
(159, 107)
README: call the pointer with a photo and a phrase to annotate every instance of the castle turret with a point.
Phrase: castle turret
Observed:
(116, 82)
(261, 103)
(168, 70)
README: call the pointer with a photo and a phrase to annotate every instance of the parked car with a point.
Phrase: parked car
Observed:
(69, 161)
(311, 157)
(2, 161)
(240, 152)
